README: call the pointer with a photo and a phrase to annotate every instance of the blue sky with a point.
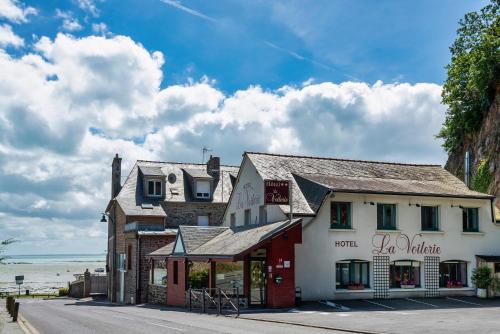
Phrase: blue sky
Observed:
(82, 80)
(230, 41)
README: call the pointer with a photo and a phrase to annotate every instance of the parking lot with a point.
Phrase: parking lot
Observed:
(409, 315)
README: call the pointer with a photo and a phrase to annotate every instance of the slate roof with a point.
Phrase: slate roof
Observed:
(233, 242)
(195, 236)
(131, 196)
(312, 176)
(198, 173)
(151, 171)
(164, 251)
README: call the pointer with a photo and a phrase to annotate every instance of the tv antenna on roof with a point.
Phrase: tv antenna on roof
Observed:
(205, 150)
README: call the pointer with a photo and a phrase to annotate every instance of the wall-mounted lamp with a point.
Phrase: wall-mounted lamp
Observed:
(417, 205)
(457, 206)
(103, 219)
(371, 203)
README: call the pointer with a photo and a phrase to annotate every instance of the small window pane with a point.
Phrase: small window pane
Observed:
(158, 188)
(470, 220)
(203, 221)
(233, 219)
(341, 215)
(386, 216)
(151, 188)
(247, 217)
(262, 214)
(429, 218)
(159, 273)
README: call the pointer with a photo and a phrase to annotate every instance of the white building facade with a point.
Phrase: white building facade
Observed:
(372, 229)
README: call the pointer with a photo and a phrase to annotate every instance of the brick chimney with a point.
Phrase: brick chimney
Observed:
(116, 175)
(213, 167)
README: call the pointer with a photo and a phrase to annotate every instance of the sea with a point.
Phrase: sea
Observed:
(47, 273)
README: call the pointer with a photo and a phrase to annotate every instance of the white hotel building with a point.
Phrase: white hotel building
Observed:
(371, 229)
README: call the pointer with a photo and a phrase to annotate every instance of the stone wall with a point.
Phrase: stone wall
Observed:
(187, 213)
(157, 294)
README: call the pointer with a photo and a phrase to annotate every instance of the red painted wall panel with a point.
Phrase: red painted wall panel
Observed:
(176, 293)
(281, 249)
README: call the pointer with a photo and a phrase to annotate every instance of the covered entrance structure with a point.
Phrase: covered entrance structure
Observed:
(257, 261)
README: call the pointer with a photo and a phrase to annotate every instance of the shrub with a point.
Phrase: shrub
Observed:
(63, 292)
(482, 180)
(481, 277)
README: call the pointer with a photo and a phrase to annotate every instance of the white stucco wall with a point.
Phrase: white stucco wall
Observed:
(249, 194)
(317, 255)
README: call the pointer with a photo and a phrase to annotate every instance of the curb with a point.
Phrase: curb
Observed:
(26, 326)
(312, 326)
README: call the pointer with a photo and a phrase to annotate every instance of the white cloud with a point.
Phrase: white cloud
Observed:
(8, 37)
(70, 23)
(100, 29)
(89, 6)
(15, 11)
(70, 105)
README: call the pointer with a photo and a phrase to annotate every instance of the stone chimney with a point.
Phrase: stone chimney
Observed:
(116, 175)
(213, 167)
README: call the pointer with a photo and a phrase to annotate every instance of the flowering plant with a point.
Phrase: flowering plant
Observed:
(407, 282)
(355, 286)
(454, 284)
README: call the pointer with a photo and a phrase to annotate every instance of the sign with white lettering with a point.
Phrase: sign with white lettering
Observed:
(385, 244)
(276, 192)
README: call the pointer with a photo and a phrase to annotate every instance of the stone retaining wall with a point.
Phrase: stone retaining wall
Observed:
(157, 294)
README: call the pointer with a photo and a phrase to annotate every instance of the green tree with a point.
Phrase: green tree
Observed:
(473, 74)
(4, 244)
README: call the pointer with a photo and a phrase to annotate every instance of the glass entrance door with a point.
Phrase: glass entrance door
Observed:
(257, 282)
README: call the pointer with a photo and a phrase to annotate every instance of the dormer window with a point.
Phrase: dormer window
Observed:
(155, 188)
(202, 189)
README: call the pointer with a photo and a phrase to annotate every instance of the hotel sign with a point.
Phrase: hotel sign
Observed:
(384, 244)
(276, 192)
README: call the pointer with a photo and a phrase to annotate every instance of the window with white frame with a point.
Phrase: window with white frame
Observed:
(155, 188)
(202, 189)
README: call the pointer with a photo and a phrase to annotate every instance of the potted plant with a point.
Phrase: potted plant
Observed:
(481, 277)
(355, 286)
(407, 284)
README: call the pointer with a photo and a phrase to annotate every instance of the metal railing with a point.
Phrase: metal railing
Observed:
(214, 299)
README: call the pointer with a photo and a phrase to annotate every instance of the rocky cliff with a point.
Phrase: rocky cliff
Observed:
(484, 147)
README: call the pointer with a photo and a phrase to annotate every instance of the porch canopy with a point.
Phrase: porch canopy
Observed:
(221, 243)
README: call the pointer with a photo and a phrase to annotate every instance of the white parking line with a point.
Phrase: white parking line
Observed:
(418, 301)
(160, 325)
(463, 301)
(374, 303)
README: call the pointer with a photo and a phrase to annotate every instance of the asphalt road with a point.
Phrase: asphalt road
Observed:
(71, 316)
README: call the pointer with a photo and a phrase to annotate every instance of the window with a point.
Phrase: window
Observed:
(497, 267)
(176, 272)
(159, 273)
(386, 216)
(352, 273)
(340, 215)
(470, 219)
(202, 189)
(129, 258)
(155, 188)
(233, 220)
(452, 274)
(229, 275)
(247, 217)
(203, 221)
(262, 214)
(404, 273)
(429, 218)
